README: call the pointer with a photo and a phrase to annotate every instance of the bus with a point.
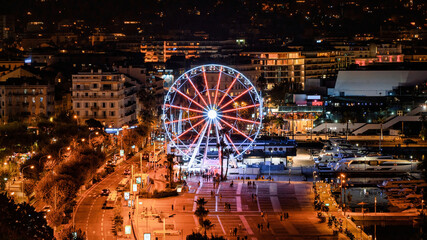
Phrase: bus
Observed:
(111, 200)
(122, 184)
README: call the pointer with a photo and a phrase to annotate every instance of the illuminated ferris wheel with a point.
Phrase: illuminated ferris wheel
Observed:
(208, 105)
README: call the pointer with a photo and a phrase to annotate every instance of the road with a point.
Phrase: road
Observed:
(90, 216)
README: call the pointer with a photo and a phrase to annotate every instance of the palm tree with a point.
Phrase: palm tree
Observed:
(279, 121)
(227, 153)
(201, 202)
(170, 161)
(221, 145)
(206, 225)
(201, 212)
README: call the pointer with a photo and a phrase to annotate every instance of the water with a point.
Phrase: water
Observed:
(355, 195)
(391, 230)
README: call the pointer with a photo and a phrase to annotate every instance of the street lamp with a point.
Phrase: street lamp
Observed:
(60, 150)
(96, 133)
(22, 173)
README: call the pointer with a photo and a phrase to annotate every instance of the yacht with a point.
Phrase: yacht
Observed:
(376, 164)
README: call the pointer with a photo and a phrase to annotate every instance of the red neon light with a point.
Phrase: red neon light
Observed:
(234, 99)
(229, 88)
(197, 91)
(241, 119)
(217, 86)
(185, 119)
(237, 130)
(207, 86)
(240, 108)
(182, 94)
(183, 108)
(197, 124)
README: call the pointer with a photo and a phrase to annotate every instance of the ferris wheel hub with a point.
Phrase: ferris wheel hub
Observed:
(212, 114)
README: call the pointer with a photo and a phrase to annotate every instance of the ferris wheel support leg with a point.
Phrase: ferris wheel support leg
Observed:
(196, 149)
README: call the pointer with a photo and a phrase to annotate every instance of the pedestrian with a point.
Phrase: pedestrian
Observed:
(172, 207)
(235, 231)
(259, 227)
(281, 217)
(268, 226)
(129, 215)
(262, 226)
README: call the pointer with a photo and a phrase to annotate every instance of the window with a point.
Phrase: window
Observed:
(78, 86)
(112, 105)
(86, 113)
(86, 104)
(25, 91)
(34, 100)
(41, 99)
(103, 104)
(34, 91)
(94, 104)
(86, 94)
(78, 113)
(41, 91)
(112, 94)
(95, 85)
(95, 113)
(94, 94)
(78, 105)
(104, 113)
(112, 113)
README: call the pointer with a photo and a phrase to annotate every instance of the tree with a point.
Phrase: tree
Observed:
(206, 225)
(93, 123)
(72, 233)
(21, 221)
(201, 212)
(228, 152)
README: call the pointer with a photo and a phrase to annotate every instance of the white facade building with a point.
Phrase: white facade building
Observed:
(108, 97)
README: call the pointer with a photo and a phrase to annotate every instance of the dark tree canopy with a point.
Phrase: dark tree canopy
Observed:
(21, 221)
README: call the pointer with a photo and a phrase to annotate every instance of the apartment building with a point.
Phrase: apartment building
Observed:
(26, 98)
(278, 66)
(109, 97)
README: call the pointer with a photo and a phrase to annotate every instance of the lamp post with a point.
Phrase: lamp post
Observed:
(342, 182)
(45, 156)
(60, 151)
(96, 133)
(22, 173)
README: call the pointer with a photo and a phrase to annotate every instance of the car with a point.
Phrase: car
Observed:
(105, 192)
(46, 209)
(126, 172)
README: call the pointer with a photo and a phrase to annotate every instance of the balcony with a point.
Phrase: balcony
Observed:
(94, 108)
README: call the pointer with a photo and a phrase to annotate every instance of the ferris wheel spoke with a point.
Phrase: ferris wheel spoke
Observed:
(197, 91)
(198, 135)
(187, 97)
(184, 119)
(241, 108)
(217, 85)
(234, 99)
(232, 143)
(183, 108)
(241, 119)
(186, 131)
(235, 129)
(207, 86)
(229, 88)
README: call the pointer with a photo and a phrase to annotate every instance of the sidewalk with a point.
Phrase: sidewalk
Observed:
(324, 191)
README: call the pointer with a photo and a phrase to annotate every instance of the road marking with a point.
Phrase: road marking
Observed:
(239, 203)
(216, 203)
(222, 227)
(219, 187)
(246, 225)
(276, 203)
(200, 187)
(239, 188)
(194, 203)
(273, 189)
(257, 200)
(290, 228)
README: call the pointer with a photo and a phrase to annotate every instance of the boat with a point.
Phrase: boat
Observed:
(377, 164)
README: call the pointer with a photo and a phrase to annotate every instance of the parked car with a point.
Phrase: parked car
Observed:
(126, 172)
(46, 209)
(105, 192)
